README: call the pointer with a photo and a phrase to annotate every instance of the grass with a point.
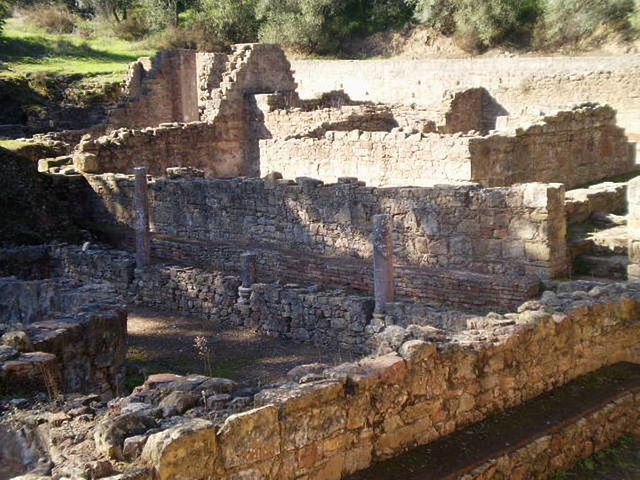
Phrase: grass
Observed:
(25, 50)
(12, 144)
(619, 461)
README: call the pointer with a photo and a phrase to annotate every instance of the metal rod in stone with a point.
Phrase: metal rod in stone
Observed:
(141, 201)
(383, 287)
(248, 268)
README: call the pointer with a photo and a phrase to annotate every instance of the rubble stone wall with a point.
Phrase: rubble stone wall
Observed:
(377, 158)
(573, 147)
(80, 328)
(562, 447)
(213, 148)
(633, 224)
(518, 230)
(379, 407)
(514, 82)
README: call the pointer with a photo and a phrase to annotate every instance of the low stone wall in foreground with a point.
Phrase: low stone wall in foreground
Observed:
(378, 407)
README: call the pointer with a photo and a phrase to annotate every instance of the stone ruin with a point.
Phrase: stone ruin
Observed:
(436, 240)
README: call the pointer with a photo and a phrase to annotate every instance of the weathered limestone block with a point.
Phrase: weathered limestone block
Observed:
(250, 437)
(111, 433)
(185, 452)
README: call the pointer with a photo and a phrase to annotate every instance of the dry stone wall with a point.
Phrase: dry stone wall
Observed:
(518, 230)
(379, 407)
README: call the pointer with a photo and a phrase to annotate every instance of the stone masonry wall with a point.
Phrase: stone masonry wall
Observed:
(80, 328)
(379, 407)
(518, 230)
(159, 90)
(562, 447)
(633, 224)
(377, 158)
(212, 148)
(513, 82)
(573, 147)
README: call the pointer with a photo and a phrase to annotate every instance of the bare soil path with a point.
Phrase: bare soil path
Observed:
(162, 342)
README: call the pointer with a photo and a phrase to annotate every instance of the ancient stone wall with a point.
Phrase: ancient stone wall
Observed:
(377, 158)
(213, 148)
(574, 147)
(518, 230)
(62, 335)
(633, 224)
(514, 82)
(159, 90)
(378, 407)
(563, 446)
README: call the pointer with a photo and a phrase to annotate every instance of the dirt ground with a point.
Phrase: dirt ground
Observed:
(160, 342)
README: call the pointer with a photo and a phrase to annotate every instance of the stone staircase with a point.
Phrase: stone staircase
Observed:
(597, 236)
(533, 440)
(229, 89)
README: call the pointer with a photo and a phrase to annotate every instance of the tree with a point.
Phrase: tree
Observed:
(118, 9)
(230, 21)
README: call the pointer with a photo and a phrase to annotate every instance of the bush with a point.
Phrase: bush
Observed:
(321, 26)
(5, 11)
(480, 24)
(190, 37)
(134, 27)
(55, 18)
(228, 21)
(569, 21)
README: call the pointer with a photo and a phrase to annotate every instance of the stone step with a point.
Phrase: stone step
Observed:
(531, 440)
(580, 203)
(612, 267)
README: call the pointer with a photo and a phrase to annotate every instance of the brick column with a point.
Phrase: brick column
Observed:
(633, 224)
(143, 236)
(382, 261)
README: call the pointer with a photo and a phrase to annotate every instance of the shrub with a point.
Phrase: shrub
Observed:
(187, 37)
(55, 18)
(134, 27)
(4, 13)
(567, 21)
(321, 26)
(228, 21)
(480, 24)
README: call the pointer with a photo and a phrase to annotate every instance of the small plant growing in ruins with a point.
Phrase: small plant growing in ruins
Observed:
(203, 350)
(430, 244)
(51, 382)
